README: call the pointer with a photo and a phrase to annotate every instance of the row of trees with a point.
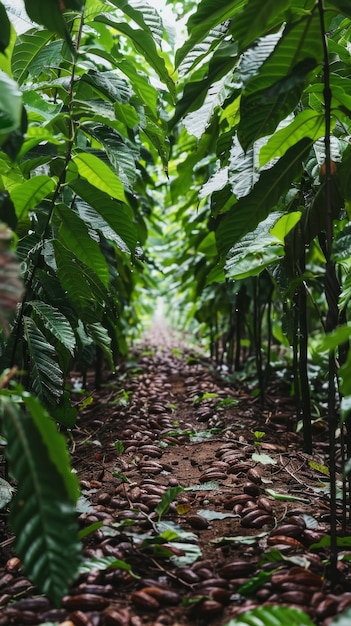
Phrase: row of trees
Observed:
(233, 156)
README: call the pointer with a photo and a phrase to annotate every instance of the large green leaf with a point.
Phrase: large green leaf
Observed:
(26, 50)
(43, 512)
(271, 95)
(308, 123)
(250, 210)
(56, 323)
(121, 153)
(100, 337)
(256, 19)
(100, 175)
(84, 292)
(117, 216)
(255, 251)
(75, 236)
(29, 194)
(10, 106)
(144, 45)
(144, 15)
(198, 90)
(50, 14)
(207, 16)
(272, 616)
(5, 29)
(45, 374)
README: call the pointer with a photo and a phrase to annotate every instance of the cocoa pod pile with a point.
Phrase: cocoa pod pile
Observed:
(160, 431)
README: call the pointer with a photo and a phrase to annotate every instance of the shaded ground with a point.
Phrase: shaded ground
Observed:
(168, 419)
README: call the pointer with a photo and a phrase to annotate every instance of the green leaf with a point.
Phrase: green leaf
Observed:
(308, 123)
(167, 498)
(250, 210)
(265, 459)
(270, 96)
(6, 492)
(10, 106)
(26, 51)
(207, 16)
(100, 337)
(100, 175)
(84, 292)
(42, 515)
(256, 19)
(56, 323)
(29, 194)
(104, 563)
(114, 219)
(212, 515)
(5, 29)
(55, 444)
(144, 15)
(285, 496)
(50, 14)
(75, 236)
(145, 45)
(45, 374)
(272, 616)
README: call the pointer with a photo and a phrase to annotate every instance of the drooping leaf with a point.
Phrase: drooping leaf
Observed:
(29, 194)
(270, 96)
(42, 513)
(26, 50)
(56, 323)
(250, 210)
(75, 236)
(308, 123)
(50, 14)
(101, 338)
(166, 500)
(256, 19)
(117, 216)
(10, 106)
(78, 281)
(100, 175)
(145, 45)
(5, 29)
(45, 374)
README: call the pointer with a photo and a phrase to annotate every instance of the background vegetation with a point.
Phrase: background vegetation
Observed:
(217, 171)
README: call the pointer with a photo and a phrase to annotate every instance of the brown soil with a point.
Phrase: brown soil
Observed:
(174, 435)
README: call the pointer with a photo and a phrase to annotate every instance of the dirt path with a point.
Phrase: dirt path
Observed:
(207, 552)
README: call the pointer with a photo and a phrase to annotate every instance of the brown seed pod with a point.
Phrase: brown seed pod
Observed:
(87, 601)
(289, 530)
(283, 540)
(265, 503)
(254, 475)
(187, 574)
(198, 522)
(208, 608)
(250, 516)
(13, 564)
(295, 597)
(117, 618)
(81, 619)
(214, 475)
(236, 569)
(252, 489)
(145, 601)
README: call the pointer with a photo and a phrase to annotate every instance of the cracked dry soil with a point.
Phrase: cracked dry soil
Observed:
(229, 529)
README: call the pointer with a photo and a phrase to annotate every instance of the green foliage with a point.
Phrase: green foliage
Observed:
(271, 616)
(47, 491)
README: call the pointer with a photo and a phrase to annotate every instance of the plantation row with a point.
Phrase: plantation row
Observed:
(215, 174)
